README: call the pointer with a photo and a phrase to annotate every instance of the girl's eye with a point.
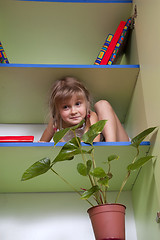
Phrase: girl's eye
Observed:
(78, 103)
(65, 107)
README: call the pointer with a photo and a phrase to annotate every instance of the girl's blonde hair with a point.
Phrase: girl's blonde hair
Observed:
(64, 89)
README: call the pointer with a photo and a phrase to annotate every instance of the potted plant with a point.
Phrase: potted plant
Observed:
(110, 218)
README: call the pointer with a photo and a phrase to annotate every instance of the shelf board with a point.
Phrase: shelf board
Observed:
(57, 32)
(24, 88)
(17, 157)
(83, 1)
(19, 65)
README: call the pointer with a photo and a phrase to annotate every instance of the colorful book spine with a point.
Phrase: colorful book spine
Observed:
(16, 138)
(120, 44)
(3, 57)
(103, 49)
(113, 43)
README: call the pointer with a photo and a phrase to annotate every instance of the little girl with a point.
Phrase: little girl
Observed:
(70, 103)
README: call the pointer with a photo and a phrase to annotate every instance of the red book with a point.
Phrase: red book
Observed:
(16, 138)
(113, 43)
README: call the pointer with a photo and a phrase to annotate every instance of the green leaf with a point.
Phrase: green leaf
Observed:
(90, 192)
(104, 181)
(90, 151)
(113, 157)
(140, 137)
(93, 131)
(69, 150)
(89, 165)
(37, 169)
(59, 135)
(98, 172)
(78, 125)
(82, 169)
(139, 163)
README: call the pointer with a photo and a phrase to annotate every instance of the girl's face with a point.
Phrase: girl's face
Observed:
(72, 110)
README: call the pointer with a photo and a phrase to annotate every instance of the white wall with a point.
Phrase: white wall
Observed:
(48, 216)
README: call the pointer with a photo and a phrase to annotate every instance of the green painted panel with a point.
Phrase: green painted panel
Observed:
(146, 204)
(24, 91)
(15, 160)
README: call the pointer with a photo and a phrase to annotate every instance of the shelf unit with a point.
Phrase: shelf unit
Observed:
(60, 38)
(45, 40)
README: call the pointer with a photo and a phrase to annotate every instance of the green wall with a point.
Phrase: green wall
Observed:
(144, 112)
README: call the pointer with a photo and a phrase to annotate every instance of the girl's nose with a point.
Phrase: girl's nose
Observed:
(73, 110)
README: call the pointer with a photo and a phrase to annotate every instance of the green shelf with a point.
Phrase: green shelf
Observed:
(17, 157)
(24, 88)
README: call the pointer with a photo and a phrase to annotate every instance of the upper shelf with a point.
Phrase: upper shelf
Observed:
(24, 89)
(45, 40)
(17, 157)
(48, 32)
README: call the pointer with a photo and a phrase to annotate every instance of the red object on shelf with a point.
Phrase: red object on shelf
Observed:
(113, 43)
(16, 138)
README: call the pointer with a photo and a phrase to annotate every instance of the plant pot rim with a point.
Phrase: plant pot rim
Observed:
(108, 204)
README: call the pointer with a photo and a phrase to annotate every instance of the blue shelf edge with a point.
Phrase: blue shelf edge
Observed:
(66, 65)
(82, 1)
(60, 144)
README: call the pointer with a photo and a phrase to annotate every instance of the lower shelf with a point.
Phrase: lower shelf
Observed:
(17, 157)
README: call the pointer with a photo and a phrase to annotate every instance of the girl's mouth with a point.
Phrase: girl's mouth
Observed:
(74, 118)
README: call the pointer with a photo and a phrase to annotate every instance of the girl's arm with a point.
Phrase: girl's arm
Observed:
(48, 132)
(93, 120)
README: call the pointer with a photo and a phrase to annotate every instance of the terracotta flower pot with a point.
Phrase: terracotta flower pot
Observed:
(108, 221)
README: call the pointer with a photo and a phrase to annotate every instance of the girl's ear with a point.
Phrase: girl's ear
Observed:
(88, 115)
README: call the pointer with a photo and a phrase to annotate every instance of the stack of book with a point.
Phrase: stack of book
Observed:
(16, 138)
(113, 48)
(3, 57)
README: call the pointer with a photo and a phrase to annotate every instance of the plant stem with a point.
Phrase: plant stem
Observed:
(93, 160)
(122, 186)
(105, 199)
(103, 195)
(93, 181)
(70, 185)
(127, 176)
(80, 147)
(98, 194)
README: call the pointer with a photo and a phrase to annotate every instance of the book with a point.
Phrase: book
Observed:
(3, 57)
(121, 44)
(103, 49)
(113, 43)
(16, 138)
